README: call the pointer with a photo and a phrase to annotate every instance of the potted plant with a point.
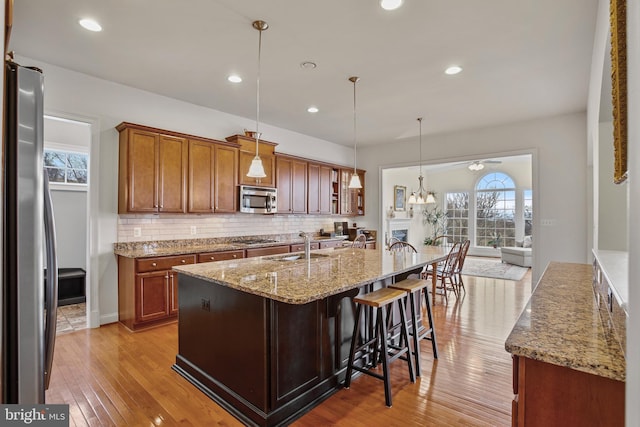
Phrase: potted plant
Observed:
(496, 240)
(437, 219)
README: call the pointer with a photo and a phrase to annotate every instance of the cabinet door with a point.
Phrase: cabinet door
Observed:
(284, 184)
(201, 176)
(225, 181)
(152, 296)
(351, 199)
(269, 163)
(313, 189)
(299, 186)
(325, 189)
(142, 167)
(173, 293)
(172, 174)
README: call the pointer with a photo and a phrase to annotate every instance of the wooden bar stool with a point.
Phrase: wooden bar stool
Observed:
(377, 345)
(410, 287)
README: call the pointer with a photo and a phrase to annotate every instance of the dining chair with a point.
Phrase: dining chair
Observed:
(392, 241)
(359, 242)
(400, 246)
(446, 271)
(464, 248)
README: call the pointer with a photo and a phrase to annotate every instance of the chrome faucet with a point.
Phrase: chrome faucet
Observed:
(307, 244)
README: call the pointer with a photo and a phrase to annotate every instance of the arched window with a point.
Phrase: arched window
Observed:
(495, 210)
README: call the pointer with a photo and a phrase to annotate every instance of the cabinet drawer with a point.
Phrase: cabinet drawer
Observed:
(331, 244)
(220, 256)
(163, 263)
(300, 247)
(271, 250)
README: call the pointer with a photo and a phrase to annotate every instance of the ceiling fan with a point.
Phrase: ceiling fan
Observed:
(478, 165)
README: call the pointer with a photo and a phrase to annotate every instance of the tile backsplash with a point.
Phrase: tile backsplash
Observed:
(173, 227)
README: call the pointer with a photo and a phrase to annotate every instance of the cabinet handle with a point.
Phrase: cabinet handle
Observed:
(155, 206)
(213, 258)
(161, 206)
(235, 256)
(183, 261)
(153, 264)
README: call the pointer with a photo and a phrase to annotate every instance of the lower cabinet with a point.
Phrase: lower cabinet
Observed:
(332, 244)
(551, 395)
(270, 250)
(148, 290)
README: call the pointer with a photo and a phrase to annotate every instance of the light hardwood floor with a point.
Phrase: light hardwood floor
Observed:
(110, 376)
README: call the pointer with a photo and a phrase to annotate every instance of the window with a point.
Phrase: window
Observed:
(528, 212)
(457, 208)
(495, 210)
(65, 167)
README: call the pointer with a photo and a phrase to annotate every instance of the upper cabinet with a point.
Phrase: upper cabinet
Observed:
(320, 189)
(213, 171)
(291, 182)
(152, 171)
(164, 171)
(247, 153)
(351, 199)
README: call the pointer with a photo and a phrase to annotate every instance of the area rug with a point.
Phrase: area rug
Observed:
(493, 268)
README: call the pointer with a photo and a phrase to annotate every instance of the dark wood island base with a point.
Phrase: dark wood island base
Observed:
(264, 361)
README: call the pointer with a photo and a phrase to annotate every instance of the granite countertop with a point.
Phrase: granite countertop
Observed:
(561, 325)
(193, 246)
(300, 281)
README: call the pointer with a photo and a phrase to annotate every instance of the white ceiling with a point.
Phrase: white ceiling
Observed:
(522, 59)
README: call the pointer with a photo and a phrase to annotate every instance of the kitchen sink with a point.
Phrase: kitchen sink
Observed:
(295, 257)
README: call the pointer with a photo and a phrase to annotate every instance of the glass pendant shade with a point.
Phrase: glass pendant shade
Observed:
(430, 198)
(256, 170)
(355, 181)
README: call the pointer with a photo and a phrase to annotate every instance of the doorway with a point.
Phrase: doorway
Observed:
(67, 145)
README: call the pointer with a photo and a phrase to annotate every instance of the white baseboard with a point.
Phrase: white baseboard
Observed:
(108, 318)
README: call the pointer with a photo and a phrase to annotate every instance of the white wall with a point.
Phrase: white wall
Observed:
(612, 231)
(559, 173)
(72, 94)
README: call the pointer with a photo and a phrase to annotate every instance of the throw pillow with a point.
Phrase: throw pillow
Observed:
(519, 243)
(527, 242)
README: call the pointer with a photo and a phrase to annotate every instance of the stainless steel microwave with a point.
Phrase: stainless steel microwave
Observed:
(261, 200)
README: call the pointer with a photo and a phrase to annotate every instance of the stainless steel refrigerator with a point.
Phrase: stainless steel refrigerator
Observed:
(28, 237)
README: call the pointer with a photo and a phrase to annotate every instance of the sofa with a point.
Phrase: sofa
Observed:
(519, 254)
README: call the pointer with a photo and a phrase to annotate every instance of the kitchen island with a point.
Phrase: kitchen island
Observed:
(268, 338)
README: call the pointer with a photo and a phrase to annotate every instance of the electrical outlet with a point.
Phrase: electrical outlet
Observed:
(193, 229)
(137, 232)
(548, 222)
(205, 304)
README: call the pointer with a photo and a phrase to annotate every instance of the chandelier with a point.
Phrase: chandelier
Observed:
(421, 196)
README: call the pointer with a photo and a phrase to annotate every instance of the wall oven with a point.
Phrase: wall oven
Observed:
(260, 200)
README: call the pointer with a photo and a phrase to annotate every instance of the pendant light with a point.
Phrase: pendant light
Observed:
(355, 178)
(421, 196)
(256, 170)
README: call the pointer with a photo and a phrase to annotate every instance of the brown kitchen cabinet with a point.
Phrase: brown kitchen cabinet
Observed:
(148, 290)
(320, 189)
(246, 154)
(220, 255)
(547, 394)
(370, 245)
(269, 250)
(291, 182)
(351, 199)
(331, 244)
(299, 247)
(213, 172)
(152, 173)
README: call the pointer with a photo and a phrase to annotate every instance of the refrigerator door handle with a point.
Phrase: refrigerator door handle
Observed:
(51, 290)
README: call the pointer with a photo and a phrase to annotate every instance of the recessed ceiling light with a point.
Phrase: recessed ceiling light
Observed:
(454, 69)
(90, 24)
(313, 109)
(308, 65)
(390, 4)
(233, 78)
